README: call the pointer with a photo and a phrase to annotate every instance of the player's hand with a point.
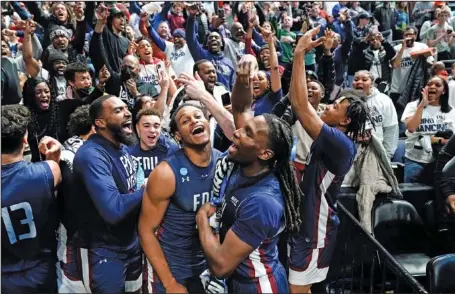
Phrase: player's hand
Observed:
(247, 69)
(176, 288)
(267, 36)
(193, 88)
(145, 17)
(51, 148)
(30, 26)
(203, 214)
(306, 42)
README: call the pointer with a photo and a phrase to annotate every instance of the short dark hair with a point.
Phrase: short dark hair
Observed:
(408, 28)
(173, 122)
(197, 64)
(97, 107)
(15, 120)
(80, 122)
(146, 112)
(73, 68)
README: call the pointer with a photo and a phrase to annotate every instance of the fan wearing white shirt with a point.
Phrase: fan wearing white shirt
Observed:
(382, 111)
(403, 62)
(424, 118)
(177, 53)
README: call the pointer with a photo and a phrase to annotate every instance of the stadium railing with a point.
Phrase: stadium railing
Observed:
(360, 264)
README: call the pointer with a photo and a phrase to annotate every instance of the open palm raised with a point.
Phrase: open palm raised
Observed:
(306, 42)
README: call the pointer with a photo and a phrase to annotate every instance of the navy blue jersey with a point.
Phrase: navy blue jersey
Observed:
(150, 159)
(108, 202)
(29, 215)
(330, 158)
(177, 233)
(253, 208)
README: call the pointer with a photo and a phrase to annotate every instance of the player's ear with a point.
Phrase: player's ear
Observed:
(177, 136)
(266, 154)
(100, 123)
(24, 140)
(137, 132)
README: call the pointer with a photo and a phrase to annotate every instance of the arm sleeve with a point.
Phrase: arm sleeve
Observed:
(257, 220)
(38, 14)
(79, 38)
(135, 8)
(339, 150)
(390, 140)
(409, 110)
(195, 48)
(95, 171)
(23, 14)
(156, 38)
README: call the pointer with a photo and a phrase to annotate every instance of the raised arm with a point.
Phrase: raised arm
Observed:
(160, 188)
(195, 48)
(302, 108)
(160, 42)
(32, 65)
(275, 78)
(242, 93)
(412, 122)
(196, 90)
(163, 81)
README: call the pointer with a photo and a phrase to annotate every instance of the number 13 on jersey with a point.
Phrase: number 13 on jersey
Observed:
(28, 220)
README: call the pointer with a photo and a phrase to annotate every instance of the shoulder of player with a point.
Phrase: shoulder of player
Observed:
(262, 201)
(161, 182)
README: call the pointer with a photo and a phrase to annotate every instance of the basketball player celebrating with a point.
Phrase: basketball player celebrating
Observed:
(105, 255)
(261, 198)
(330, 158)
(29, 209)
(176, 189)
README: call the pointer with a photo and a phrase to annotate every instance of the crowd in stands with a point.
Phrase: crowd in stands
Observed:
(59, 58)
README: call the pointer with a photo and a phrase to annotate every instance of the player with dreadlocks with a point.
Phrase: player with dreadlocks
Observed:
(330, 158)
(261, 197)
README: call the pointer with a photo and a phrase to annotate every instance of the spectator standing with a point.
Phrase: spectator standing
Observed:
(424, 119)
(441, 35)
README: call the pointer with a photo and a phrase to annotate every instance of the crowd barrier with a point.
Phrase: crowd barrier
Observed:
(362, 265)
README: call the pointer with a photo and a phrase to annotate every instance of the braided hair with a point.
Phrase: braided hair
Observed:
(358, 112)
(281, 142)
(30, 103)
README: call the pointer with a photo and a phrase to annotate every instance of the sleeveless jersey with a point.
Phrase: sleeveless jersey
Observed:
(29, 215)
(253, 208)
(177, 233)
(151, 158)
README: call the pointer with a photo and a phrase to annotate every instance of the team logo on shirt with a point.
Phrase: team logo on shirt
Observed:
(184, 174)
(376, 116)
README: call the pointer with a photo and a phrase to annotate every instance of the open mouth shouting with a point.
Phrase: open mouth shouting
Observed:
(198, 130)
(127, 126)
(256, 89)
(44, 103)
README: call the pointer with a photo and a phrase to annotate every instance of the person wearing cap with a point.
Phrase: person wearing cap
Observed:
(59, 17)
(57, 65)
(61, 41)
(108, 43)
(359, 43)
(177, 52)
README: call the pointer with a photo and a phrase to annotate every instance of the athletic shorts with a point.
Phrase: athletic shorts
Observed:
(99, 270)
(309, 265)
(276, 282)
(193, 284)
(39, 279)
